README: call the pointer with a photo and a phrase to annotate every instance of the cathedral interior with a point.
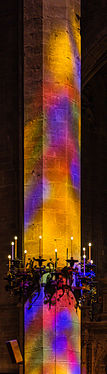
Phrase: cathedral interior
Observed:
(22, 75)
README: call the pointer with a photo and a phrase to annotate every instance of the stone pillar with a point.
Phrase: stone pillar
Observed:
(52, 173)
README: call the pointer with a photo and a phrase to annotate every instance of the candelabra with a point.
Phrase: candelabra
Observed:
(25, 280)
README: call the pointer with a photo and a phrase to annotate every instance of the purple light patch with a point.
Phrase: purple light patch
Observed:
(63, 321)
(59, 344)
(74, 369)
(75, 174)
(33, 202)
(78, 72)
(58, 114)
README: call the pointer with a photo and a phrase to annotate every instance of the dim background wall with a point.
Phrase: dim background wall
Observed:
(11, 165)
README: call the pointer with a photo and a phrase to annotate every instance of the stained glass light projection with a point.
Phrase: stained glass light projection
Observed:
(52, 174)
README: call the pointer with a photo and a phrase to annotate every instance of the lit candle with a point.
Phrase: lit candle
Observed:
(84, 257)
(55, 257)
(12, 244)
(9, 257)
(15, 238)
(71, 244)
(40, 245)
(25, 259)
(89, 251)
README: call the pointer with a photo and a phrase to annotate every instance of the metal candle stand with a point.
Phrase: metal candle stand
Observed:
(25, 281)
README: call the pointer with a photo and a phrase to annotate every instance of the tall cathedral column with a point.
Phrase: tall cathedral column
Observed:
(52, 173)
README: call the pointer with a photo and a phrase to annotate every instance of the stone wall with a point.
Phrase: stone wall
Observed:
(10, 167)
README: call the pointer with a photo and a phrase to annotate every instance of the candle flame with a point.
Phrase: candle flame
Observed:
(84, 249)
(12, 243)
(71, 237)
(25, 251)
(55, 249)
(89, 244)
(15, 237)
(9, 256)
(40, 237)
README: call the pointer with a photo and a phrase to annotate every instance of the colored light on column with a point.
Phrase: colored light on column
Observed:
(51, 206)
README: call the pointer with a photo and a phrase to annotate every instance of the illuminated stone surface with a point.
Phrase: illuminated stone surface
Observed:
(52, 173)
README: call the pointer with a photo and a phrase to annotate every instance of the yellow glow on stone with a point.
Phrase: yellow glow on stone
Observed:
(76, 31)
(61, 369)
(60, 56)
(32, 147)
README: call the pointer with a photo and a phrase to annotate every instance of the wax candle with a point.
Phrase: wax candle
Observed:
(15, 238)
(71, 244)
(12, 244)
(40, 245)
(55, 257)
(9, 258)
(25, 259)
(89, 251)
(84, 257)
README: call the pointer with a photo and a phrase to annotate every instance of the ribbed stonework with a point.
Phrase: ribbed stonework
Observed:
(52, 173)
